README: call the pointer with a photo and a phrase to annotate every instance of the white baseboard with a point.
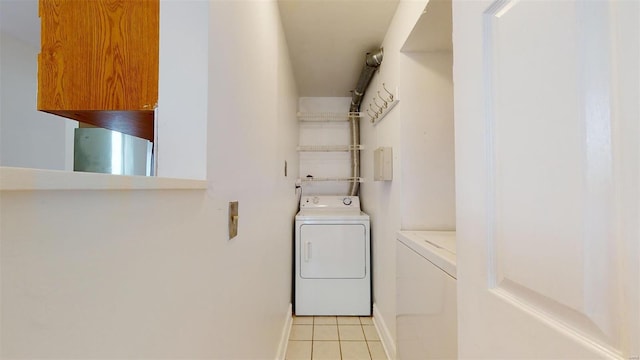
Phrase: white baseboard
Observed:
(388, 343)
(284, 337)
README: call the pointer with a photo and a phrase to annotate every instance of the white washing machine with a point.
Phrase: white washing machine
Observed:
(332, 257)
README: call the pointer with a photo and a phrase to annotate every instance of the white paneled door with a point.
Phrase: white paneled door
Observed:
(547, 178)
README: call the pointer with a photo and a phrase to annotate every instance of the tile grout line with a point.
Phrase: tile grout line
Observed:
(366, 341)
(339, 339)
(313, 325)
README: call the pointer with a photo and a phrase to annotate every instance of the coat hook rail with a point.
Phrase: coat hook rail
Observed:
(380, 110)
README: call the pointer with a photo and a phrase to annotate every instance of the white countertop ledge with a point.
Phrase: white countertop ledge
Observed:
(439, 247)
(21, 179)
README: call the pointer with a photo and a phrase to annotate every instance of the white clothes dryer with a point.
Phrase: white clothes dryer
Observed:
(332, 257)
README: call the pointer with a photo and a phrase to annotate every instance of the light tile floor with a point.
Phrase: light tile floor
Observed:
(334, 338)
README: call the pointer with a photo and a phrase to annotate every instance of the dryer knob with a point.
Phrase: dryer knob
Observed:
(347, 201)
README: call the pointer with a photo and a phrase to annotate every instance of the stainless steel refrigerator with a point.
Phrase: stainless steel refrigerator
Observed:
(105, 151)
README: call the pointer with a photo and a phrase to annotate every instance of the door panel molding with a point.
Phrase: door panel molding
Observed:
(562, 201)
(547, 168)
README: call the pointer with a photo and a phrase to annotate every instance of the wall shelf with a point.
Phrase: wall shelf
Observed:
(21, 179)
(336, 179)
(328, 148)
(327, 116)
(323, 129)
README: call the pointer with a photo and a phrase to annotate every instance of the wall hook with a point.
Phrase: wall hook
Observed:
(384, 102)
(378, 105)
(379, 111)
(388, 92)
(371, 116)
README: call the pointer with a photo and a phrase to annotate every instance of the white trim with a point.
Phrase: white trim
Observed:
(388, 343)
(284, 338)
(38, 179)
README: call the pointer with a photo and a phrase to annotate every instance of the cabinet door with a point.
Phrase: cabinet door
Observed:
(98, 60)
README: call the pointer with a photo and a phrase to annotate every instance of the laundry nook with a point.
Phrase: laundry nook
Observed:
(306, 180)
(332, 257)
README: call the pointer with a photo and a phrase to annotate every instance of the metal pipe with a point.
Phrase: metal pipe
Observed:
(371, 64)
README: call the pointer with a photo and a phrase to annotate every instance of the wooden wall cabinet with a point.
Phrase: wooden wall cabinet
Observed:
(99, 62)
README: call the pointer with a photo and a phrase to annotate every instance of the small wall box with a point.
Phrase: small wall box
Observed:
(383, 164)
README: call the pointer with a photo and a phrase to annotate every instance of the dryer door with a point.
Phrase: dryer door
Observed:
(332, 251)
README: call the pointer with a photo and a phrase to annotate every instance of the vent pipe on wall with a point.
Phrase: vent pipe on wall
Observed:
(371, 64)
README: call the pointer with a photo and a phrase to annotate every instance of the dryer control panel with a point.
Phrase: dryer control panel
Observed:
(330, 202)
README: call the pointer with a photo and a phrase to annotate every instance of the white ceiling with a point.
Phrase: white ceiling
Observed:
(328, 40)
(432, 32)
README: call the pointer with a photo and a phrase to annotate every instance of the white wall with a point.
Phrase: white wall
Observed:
(28, 138)
(420, 131)
(427, 141)
(181, 118)
(152, 274)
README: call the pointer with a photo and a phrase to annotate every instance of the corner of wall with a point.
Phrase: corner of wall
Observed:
(284, 336)
(388, 342)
